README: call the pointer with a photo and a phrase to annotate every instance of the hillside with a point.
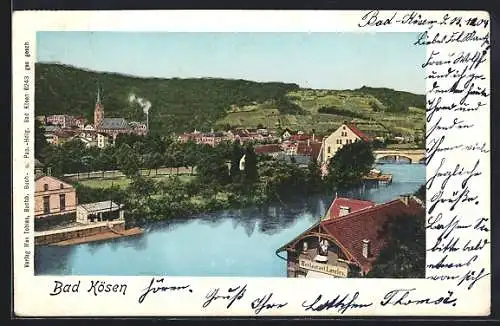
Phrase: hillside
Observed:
(203, 103)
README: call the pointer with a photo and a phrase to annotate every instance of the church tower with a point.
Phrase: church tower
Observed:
(98, 111)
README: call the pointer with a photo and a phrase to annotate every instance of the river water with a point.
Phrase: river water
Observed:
(229, 243)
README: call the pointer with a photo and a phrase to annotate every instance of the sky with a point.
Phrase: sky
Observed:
(311, 60)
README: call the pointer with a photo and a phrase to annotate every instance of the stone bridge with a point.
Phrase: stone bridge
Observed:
(413, 155)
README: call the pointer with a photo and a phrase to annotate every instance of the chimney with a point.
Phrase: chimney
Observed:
(366, 248)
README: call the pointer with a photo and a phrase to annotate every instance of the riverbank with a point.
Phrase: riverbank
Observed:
(82, 233)
(100, 237)
(214, 244)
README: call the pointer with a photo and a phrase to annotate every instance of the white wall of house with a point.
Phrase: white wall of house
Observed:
(337, 139)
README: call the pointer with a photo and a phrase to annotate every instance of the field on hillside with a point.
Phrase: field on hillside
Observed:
(346, 106)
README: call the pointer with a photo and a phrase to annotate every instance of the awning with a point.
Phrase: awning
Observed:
(313, 274)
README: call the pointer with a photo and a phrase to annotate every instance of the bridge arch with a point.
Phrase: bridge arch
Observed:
(415, 156)
(394, 157)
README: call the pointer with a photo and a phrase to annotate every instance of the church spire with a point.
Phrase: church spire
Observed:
(99, 110)
(98, 94)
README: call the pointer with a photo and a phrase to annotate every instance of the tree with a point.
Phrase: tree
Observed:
(350, 164)
(213, 170)
(236, 156)
(191, 155)
(156, 162)
(103, 162)
(404, 253)
(147, 162)
(179, 158)
(251, 173)
(128, 161)
(40, 142)
(168, 160)
(314, 176)
(420, 193)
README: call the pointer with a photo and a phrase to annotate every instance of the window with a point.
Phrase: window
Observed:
(45, 187)
(343, 127)
(329, 149)
(61, 186)
(344, 210)
(62, 202)
(46, 204)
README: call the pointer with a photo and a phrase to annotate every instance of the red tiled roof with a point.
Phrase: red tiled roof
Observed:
(299, 137)
(358, 132)
(354, 204)
(269, 148)
(350, 230)
(313, 149)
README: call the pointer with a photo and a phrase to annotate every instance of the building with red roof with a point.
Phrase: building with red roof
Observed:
(267, 149)
(348, 245)
(347, 133)
(343, 206)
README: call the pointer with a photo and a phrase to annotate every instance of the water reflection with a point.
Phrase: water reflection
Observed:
(240, 242)
(53, 260)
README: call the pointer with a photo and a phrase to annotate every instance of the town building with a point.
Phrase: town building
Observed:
(104, 140)
(346, 242)
(61, 120)
(53, 197)
(99, 212)
(114, 126)
(56, 135)
(268, 149)
(64, 120)
(285, 135)
(347, 133)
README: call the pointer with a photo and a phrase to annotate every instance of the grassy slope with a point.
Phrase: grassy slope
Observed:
(356, 101)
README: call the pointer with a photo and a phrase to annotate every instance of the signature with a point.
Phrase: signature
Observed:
(340, 303)
(232, 295)
(157, 285)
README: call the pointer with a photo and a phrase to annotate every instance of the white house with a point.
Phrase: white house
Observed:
(345, 134)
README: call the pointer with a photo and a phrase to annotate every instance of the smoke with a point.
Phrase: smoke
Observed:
(145, 104)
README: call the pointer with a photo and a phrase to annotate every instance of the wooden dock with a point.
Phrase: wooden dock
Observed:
(100, 237)
(82, 233)
(378, 177)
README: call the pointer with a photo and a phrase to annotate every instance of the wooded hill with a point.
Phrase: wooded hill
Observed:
(179, 105)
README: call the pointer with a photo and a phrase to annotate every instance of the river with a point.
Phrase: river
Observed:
(229, 243)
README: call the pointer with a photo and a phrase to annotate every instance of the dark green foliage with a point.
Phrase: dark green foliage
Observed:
(420, 193)
(91, 195)
(314, 178)
(285, 106)
(177, 104)
(251, 174)
(350, 164)
(213, 170)
(342, 112)
(40, 143)
(375, 106)
(395, 101)
(404, 254)
(236, 156)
